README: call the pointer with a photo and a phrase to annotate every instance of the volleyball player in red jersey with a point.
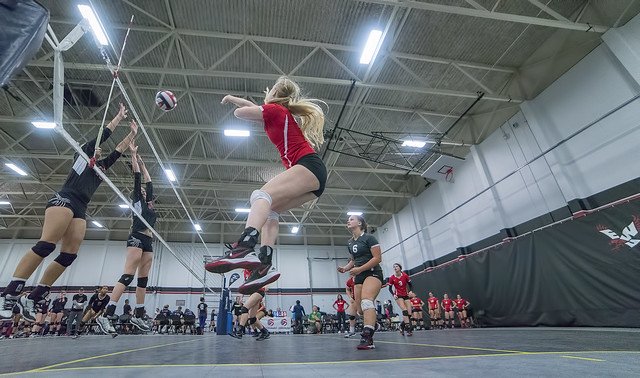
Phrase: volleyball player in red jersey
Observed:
(461, 305)
(402, 283)
(339, 306)
(294, 125)
(353, 308)
(248, 313)
(448, 310)
(416, 310)
(434, 310)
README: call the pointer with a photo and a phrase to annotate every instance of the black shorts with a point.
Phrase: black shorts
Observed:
(377, 273)
(140, 240)
(15, 310)
(313, 163)
(404, 297)
(56, 311)
(70, 201)
(416, 310)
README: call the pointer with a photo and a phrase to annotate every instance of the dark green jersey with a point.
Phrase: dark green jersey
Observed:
(360, 249)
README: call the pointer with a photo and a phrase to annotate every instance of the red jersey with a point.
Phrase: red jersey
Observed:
(339, 304)
(283, 131)
(350, 285)
(433, 303)
(416, 303)
(460, 303)
(400, 283)
(446, 303)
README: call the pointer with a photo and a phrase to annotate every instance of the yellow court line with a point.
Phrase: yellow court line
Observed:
(44, 368)
(332, 362)
(450, 346)
(584, 358)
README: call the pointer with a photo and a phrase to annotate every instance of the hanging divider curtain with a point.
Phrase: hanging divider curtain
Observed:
(584, 272)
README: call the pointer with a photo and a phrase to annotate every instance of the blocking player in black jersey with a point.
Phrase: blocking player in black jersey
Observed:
(364, 266)
(139, 245)
(64, 219)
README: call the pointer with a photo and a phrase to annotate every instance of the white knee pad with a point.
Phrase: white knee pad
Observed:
(367, 304)
(259, 194)
(273, 215)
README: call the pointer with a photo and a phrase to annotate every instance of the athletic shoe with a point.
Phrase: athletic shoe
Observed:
(140, 324)
(240, 257)
(349, 335)
(409, 333)
(263, 336)
(402, 332)
(6, 307)
(258, 279)
(235, 334)
(256, 334)
(103, 324)
(366, 342)
(26, 308)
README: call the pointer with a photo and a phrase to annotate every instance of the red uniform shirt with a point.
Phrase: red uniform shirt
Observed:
(340, 304)
(460, 303)
(446, 303)
(416, 303)
(400, 283)
(350, 285)
(433, 303)
(283, 131)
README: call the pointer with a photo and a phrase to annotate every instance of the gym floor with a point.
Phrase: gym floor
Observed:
(458, 353)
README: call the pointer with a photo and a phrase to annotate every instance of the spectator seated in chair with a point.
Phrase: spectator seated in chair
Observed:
(177, 319)
(162, 319)
(189, 319)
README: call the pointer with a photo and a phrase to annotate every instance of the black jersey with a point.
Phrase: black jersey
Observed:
(42, 306)
(98, 304)
(236, 308)
(360, 249)
(82, 181)
(143, 205)
(58, 304)
(202, 309)
(165, 312)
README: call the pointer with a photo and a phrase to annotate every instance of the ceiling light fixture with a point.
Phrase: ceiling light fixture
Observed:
(372, 47)
(197, 227)
(242, 210)
(170, 175)
(236, 133)
(358, 213)
(414, 143)
(295, 229)
(97, 224)
(89, 15)
(44, 125)
(16, 169)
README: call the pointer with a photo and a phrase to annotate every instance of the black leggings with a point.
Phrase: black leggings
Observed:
(342, 318)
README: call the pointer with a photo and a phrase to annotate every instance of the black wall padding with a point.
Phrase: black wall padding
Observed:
(570, 274)
(22, 28)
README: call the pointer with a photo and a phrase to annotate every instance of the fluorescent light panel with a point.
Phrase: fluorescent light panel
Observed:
(123, 206)
(236, 133)
(242, 210)
(5, 203)
(16, 169)
(414, 143)
(295, 229)
(44, 125)
(197, 227)
(371, 47)
(97, 224)
(354, 213)
(170, 175)
(88, 13)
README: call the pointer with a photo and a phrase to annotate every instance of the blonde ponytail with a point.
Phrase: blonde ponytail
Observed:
(307, 111)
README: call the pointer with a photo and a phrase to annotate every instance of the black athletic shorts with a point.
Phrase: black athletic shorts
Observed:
(56, 311)
(416, 310)
(313, 163)
(70, 201)
(404, 297)
(140, 240)
(377, 273)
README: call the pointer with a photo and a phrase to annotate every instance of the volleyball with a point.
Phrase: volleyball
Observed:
(166, 100)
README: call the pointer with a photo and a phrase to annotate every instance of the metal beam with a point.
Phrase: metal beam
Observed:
(273, 77)
(212, 162)
(558, 24)
(58, 180)
(292, 42)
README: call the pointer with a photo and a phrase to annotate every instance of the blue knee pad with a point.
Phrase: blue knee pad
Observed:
(43, 248)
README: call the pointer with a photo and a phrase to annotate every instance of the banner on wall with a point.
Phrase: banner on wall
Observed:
(277, 324)
(583, 272)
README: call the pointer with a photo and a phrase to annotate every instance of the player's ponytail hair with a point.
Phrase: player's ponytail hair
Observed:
(363, 223)
(308, 113)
